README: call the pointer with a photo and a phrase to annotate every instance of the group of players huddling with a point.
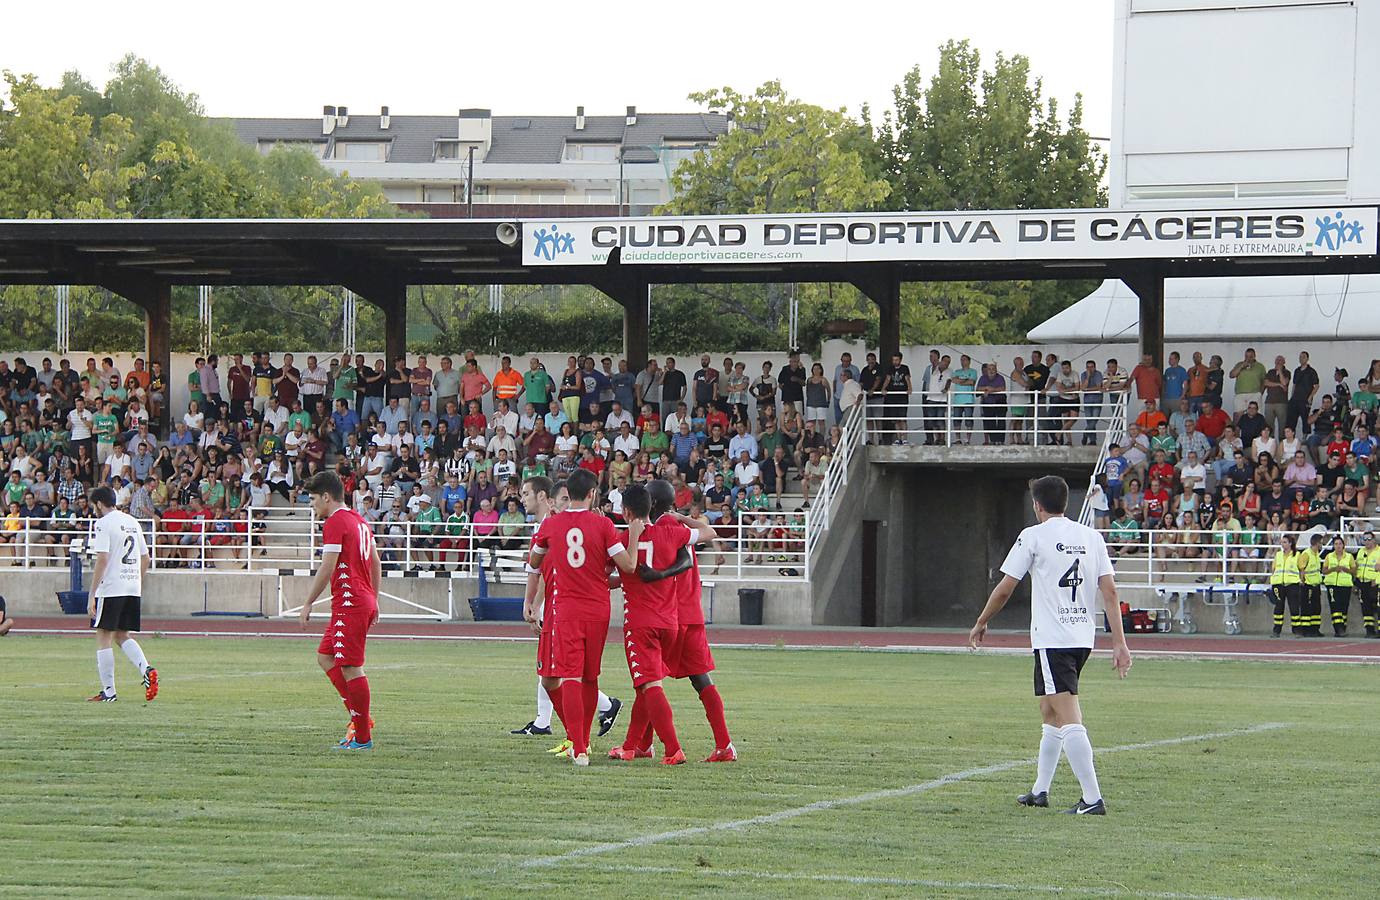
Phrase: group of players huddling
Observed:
(579, 556)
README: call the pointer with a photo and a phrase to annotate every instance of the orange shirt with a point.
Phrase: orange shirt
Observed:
(1148, 420)
(507, 385)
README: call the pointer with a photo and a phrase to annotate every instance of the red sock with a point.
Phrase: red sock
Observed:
(637, 723)
(660, 712)
(555, 695)
(573, 701)
(359, 707)
(714, 712)
(644, 740)
(337, 678)
(590, 697)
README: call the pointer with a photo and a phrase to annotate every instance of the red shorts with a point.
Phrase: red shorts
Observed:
(572, 649)
(345, 636)
(646, 649)
(690, 655)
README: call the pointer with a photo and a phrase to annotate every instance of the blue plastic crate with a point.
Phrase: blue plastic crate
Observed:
(496, 609)
(73, 603)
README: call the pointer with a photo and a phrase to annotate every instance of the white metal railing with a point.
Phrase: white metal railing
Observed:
(854, 428)
(1160, 558)
(755, 545)
(1020, 418)
(1113, 434)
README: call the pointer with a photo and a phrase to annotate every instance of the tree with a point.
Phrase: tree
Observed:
(985, 139)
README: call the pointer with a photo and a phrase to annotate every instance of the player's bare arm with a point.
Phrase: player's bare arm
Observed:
(532, 601)
(375, 578)
(998, 599)
(683, 563)
(319, 583)
(1121, 654)
(704, 532)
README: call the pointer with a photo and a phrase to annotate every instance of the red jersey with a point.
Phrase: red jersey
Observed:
(655, 605)
(579, 544)
(689, 608)
(347, 534)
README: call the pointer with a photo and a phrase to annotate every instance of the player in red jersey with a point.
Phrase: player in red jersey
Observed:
(576, 546)
(690, 656)
(650, 617)
(351, 568)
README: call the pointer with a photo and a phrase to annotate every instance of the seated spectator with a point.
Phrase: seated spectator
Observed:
(1212, 421)
(812, 473)
(1300, 477)
(1163, 440)
(1150, 417)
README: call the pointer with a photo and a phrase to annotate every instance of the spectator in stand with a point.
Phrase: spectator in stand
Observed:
(593, 383)
(1196, 387)
(845, 364)
(474, 384)
(1090, 382)
(1148, 380)
(1175, 381)
(314, 381)
(816, 397)
(991, 388)
(374, 380)
(1212, 422)
(812, 474)
(287, 382)
(764, 392)
(624, 385)
(647, 386)
(420, 380)
(1114, 470)
(738, 391)
(1151, 418)
(963, 397)
(1037, 383)
(1321, 425)
(1065, 385)
(507, 382)
(399, 387)
(1276, 404)
(1252, 425)
(673, 386)
(1305, 388)
(1300, 477)
(1249, 375)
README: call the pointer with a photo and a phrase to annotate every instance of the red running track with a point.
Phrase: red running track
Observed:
(1355, 649)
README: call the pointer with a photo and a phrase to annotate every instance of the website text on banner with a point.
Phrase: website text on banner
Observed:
(955, 237)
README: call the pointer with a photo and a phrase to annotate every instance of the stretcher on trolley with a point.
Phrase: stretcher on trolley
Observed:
(1229, 596)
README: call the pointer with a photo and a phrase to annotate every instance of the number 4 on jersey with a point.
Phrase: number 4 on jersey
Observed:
(1071, 580)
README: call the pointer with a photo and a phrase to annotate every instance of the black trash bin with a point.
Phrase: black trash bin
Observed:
(750, 605)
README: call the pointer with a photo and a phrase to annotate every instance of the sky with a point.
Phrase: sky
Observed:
(288, 59)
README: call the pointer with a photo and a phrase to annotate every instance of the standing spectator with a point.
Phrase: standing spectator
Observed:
(706, 382)
(816, 397)
(738, 390)
(593, 383)
(647, 386)
(846, 365)
(1175, 379)
(313, 384)
(570, 389)
(210, 381)
(1090, 383)
(1036, 383)
(868, 380)
(1147, 379)
(343, 384)
(287, 382)
(764, 390)
(375, 379)
(672, 387)
(1305, 388)
(1196, 388)
(419, 381)
(1066, 386)
(793, 377)
(507, 383)
(897, 387)
(1216, 380)
(1249, 375)
(964, 392)
(624, 385)
(1276, 407)
(537, 385)
(851, 391)
(936, 399)
(241, 382)
(991, 387)
(928, 413)
(445, 384)
(399, 386)
(1019, 404)
(474, 384)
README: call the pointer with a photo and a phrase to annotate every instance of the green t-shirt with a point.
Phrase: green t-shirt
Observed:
(304, 417)
(510, 523)
(533, 471)
(1125, 530)
(655, 443)
(965, 394)
(1364, 400)
(104, 426)
(769, 441)
(32, 440)
(428, 517)
(14, 491)
(1251, 379)
(1166, 442)
(455, 524)
(194, 386)
(344, 384)
(269, 443)
(59, 437)
(536, 385)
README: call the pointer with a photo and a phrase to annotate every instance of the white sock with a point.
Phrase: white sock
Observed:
(605, 704)
(135, 654)
(105, 667)
(1079, 751)
(1051, 742)
(544, 708)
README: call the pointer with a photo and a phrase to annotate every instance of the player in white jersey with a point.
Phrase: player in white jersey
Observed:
(540, 498)
(117, 584)
(1068, 566)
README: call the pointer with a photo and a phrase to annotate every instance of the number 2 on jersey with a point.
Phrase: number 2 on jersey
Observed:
(1071, 580)
(575, 548)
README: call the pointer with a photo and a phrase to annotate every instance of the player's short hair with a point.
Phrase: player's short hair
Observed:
(104, 496)
(327, 483)
(540, 484)
(637, 501)
(557, 486)
(662, 493)
(581, 484)
(1051, 494)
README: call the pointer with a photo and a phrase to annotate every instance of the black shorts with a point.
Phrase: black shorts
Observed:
(1056, 671)
(116, 614)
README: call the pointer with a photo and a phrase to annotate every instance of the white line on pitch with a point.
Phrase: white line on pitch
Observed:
(869, 797)
(883, 881)
(218, 677)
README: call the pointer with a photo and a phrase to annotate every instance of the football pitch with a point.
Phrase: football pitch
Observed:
(862, 774)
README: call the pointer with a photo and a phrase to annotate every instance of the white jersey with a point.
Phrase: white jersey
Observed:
(1064, 560)
(119, 536)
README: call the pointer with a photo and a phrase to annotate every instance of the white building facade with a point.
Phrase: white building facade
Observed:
(1242, 103)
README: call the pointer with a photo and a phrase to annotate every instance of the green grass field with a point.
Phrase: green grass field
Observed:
(226, 785)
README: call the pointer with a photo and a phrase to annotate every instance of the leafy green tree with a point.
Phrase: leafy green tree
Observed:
(985, 139)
